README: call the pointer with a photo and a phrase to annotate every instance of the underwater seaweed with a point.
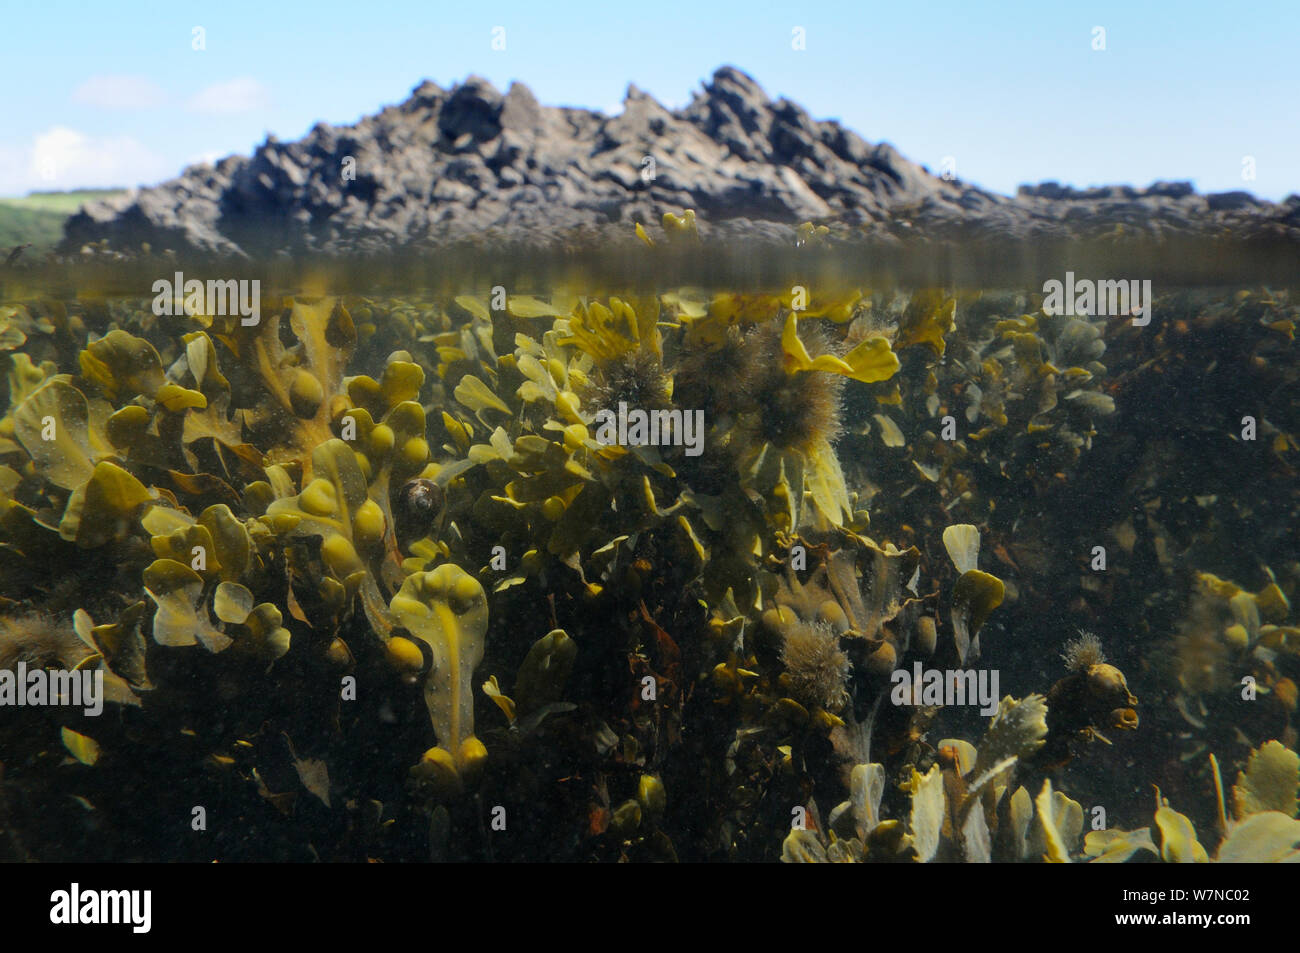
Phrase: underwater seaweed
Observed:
(377, 549)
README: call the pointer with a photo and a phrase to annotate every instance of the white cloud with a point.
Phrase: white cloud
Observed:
(241, 95)
(63, 158)
(206, 158)
(119, 92)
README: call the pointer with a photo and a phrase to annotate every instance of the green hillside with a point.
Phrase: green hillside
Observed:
(39, 216)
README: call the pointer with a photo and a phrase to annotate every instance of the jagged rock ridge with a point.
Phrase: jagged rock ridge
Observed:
(471, 164)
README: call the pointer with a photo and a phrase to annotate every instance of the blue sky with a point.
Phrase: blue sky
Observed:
(1012, 91)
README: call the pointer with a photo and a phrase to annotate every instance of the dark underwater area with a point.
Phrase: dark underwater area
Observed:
(364, 585)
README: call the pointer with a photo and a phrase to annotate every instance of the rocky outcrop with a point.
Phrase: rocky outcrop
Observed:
(472, 164)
